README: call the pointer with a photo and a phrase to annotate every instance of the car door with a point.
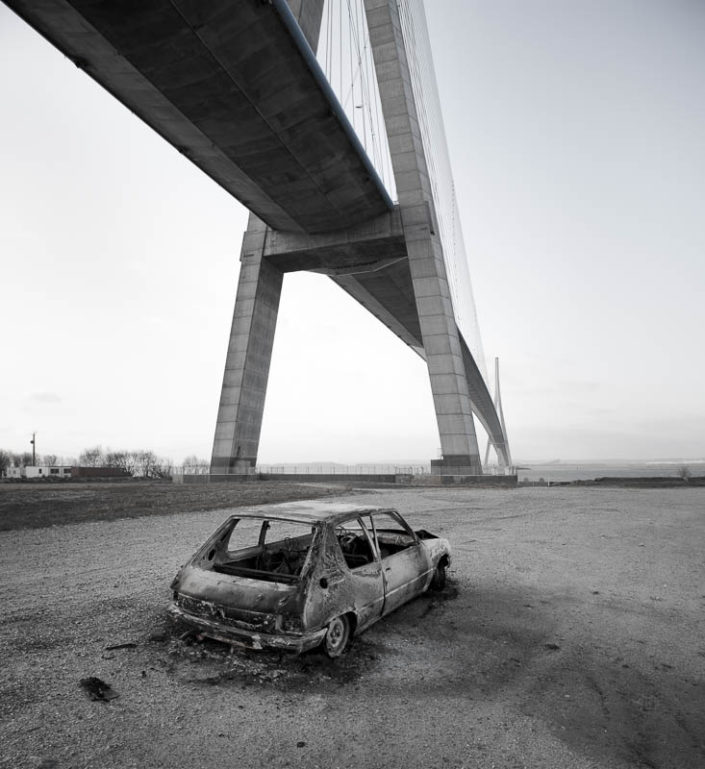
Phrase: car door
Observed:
(363, 578)
(405, 562)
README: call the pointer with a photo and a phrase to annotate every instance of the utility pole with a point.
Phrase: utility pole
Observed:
(34, 449)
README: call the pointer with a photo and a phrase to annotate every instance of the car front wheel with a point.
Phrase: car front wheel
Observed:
(337, 636)
(438, 581)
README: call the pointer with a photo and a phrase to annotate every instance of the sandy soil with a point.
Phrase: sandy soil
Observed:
(572, 634)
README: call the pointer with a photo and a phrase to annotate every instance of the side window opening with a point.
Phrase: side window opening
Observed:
(354, 543)
(391, 534)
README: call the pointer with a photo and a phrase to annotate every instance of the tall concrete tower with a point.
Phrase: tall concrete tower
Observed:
(401, 265)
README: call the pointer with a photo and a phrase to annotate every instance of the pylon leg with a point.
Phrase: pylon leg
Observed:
(244, 388)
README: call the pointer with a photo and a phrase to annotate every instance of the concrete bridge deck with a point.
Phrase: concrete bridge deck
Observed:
(234, 86)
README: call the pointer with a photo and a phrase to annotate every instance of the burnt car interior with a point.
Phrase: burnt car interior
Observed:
(391, 534)
(267, 549)
(385, 529)
(354, 544)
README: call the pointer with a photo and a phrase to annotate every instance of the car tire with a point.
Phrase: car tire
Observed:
(337, 636)
(438, 581)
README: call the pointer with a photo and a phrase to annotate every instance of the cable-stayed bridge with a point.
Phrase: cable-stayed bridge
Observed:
(323, 118)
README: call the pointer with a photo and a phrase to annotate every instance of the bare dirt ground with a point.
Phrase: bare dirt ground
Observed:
(572, 634)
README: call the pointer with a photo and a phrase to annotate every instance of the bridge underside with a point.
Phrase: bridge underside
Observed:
(230, 86)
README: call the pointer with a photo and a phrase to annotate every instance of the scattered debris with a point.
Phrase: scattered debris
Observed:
(126, 645)
(551, 647)
(97, 689)
(300, 744)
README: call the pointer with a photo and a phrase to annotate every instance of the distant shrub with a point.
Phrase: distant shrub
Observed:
(684, 472)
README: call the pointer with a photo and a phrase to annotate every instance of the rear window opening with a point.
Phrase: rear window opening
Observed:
(268, 549)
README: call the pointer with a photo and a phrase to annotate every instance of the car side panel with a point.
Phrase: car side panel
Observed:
(405, 575)
(335, 589)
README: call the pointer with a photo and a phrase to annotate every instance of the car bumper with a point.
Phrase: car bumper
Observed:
(246, 638)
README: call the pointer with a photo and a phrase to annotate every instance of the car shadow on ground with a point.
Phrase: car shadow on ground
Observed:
(484, 645)
(218, 663)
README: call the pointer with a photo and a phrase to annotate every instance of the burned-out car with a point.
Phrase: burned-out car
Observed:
(303, 574)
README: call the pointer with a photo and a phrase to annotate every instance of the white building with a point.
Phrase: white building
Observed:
(42, 471)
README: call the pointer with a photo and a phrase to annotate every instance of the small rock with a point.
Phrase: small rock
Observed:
(97, 689)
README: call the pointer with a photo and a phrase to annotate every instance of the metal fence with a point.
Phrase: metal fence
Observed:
(319, 469)
(336, 469)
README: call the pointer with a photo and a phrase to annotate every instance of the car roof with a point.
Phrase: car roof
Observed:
(309, 511)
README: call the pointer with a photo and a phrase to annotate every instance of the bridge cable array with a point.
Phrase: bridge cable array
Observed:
(345, 55)
(430, 116)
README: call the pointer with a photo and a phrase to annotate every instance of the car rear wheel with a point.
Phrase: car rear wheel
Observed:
(337, 636)
(438, 581)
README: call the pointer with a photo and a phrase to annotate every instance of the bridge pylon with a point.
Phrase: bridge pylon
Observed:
(504, 457)
(393, 265)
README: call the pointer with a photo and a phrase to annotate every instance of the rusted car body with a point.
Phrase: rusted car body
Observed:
(303, 574)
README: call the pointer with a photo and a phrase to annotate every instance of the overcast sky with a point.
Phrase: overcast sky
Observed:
(577, 134)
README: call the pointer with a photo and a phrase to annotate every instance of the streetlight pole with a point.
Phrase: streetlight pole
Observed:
(34, 449)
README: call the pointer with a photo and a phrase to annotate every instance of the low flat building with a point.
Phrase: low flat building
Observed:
(39, 471)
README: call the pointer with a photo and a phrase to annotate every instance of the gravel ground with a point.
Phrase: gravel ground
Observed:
(571, 635)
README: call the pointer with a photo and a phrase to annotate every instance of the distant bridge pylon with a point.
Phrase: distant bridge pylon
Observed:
(501, 450)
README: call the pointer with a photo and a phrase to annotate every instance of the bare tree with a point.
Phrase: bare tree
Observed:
(5, 460)
(92, 457)
(49, 459)
(162, 469)
(141, 462)
(145, 462)
(194, 465)
(125, 460)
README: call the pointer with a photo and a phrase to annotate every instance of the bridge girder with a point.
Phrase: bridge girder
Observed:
(229, 86)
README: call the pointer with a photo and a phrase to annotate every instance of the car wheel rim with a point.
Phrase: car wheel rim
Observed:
(337, 635)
